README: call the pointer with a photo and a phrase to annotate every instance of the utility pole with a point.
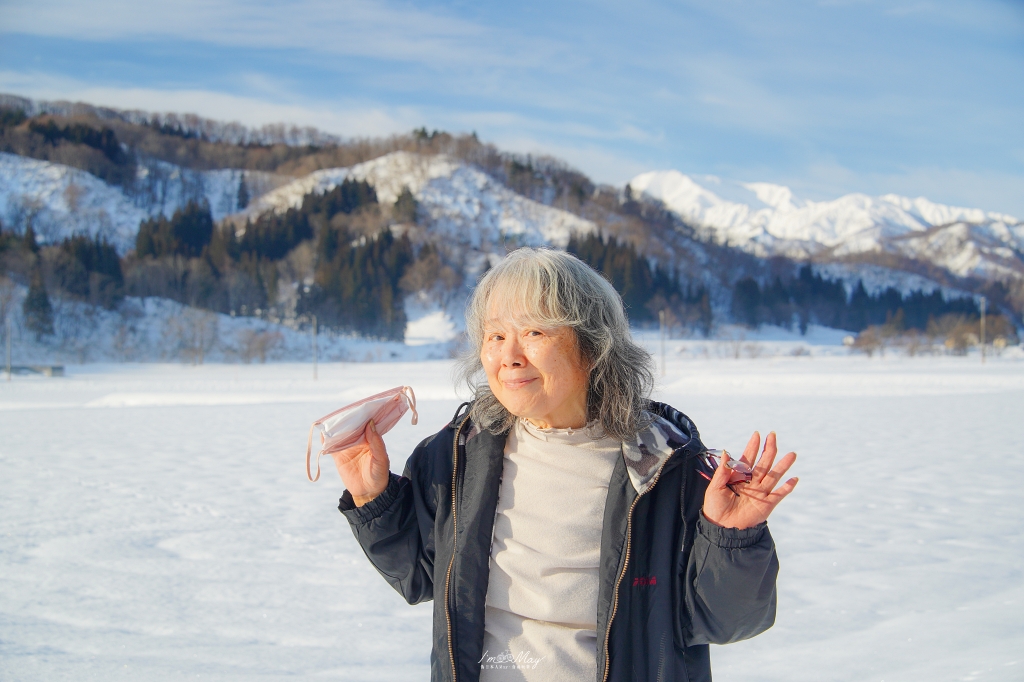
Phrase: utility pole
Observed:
(8, 320)
(314, 348)
(661, 322)
(983, 330)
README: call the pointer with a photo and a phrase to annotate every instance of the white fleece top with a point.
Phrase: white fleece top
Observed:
(541, 609)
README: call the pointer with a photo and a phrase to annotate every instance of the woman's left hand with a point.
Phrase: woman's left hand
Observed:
(746, 504)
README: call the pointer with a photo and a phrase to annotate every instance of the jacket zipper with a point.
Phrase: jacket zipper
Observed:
(625, 565)
(455, 539)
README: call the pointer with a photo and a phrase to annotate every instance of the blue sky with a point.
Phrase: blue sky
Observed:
(923, 98)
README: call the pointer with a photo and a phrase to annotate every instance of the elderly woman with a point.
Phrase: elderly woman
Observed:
(565, 524)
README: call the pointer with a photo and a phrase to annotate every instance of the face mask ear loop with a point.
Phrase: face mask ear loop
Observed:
(309, 451)
(412, 403)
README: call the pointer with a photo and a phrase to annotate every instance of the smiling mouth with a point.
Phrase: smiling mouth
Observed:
(513, 384)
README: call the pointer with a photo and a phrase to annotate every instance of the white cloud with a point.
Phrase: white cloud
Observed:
(599, 164)
(365, 28)
(520, 124)
(732, 97)
(347, 119)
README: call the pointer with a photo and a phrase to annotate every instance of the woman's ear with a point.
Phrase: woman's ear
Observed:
(584, 355)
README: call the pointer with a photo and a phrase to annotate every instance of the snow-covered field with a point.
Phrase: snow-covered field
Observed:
(156, 523)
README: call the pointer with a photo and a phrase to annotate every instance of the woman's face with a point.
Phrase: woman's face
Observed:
(536, 372)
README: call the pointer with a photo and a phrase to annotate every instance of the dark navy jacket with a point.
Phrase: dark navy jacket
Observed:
(670, 581)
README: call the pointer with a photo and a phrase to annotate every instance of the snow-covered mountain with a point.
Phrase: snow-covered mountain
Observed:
(477, 219)
(473, 217)
(458, 201)
(767, 219)
(59, 200)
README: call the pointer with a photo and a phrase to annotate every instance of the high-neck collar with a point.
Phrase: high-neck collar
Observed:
(590, 432)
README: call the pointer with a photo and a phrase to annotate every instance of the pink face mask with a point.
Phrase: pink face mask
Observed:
(346, 427)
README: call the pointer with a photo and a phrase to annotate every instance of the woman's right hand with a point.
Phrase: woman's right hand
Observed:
(364, 468)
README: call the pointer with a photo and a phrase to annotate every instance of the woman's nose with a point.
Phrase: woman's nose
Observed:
(512, 354)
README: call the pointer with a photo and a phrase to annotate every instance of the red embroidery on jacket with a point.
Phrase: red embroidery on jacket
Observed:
(645, 581)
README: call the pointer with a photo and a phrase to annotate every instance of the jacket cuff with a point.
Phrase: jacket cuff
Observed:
(729, 538)
(373, 508)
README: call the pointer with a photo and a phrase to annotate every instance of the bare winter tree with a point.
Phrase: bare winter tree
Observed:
(192, 334)
(257, 345)
(126, 341)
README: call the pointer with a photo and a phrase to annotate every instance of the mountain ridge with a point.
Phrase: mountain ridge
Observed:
(772, 221)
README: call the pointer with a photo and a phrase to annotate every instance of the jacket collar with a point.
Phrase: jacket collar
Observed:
(667, 431)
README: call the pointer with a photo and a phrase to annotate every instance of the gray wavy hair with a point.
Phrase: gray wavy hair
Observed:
(555, 289)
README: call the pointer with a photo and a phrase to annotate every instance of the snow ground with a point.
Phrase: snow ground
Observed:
(155, 520)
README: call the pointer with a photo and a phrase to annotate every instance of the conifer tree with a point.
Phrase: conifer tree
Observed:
(243, 194)
(746, 302)
(144, 239)
(29, 242)
(406, 207)
(37, 309)
(187, 232)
